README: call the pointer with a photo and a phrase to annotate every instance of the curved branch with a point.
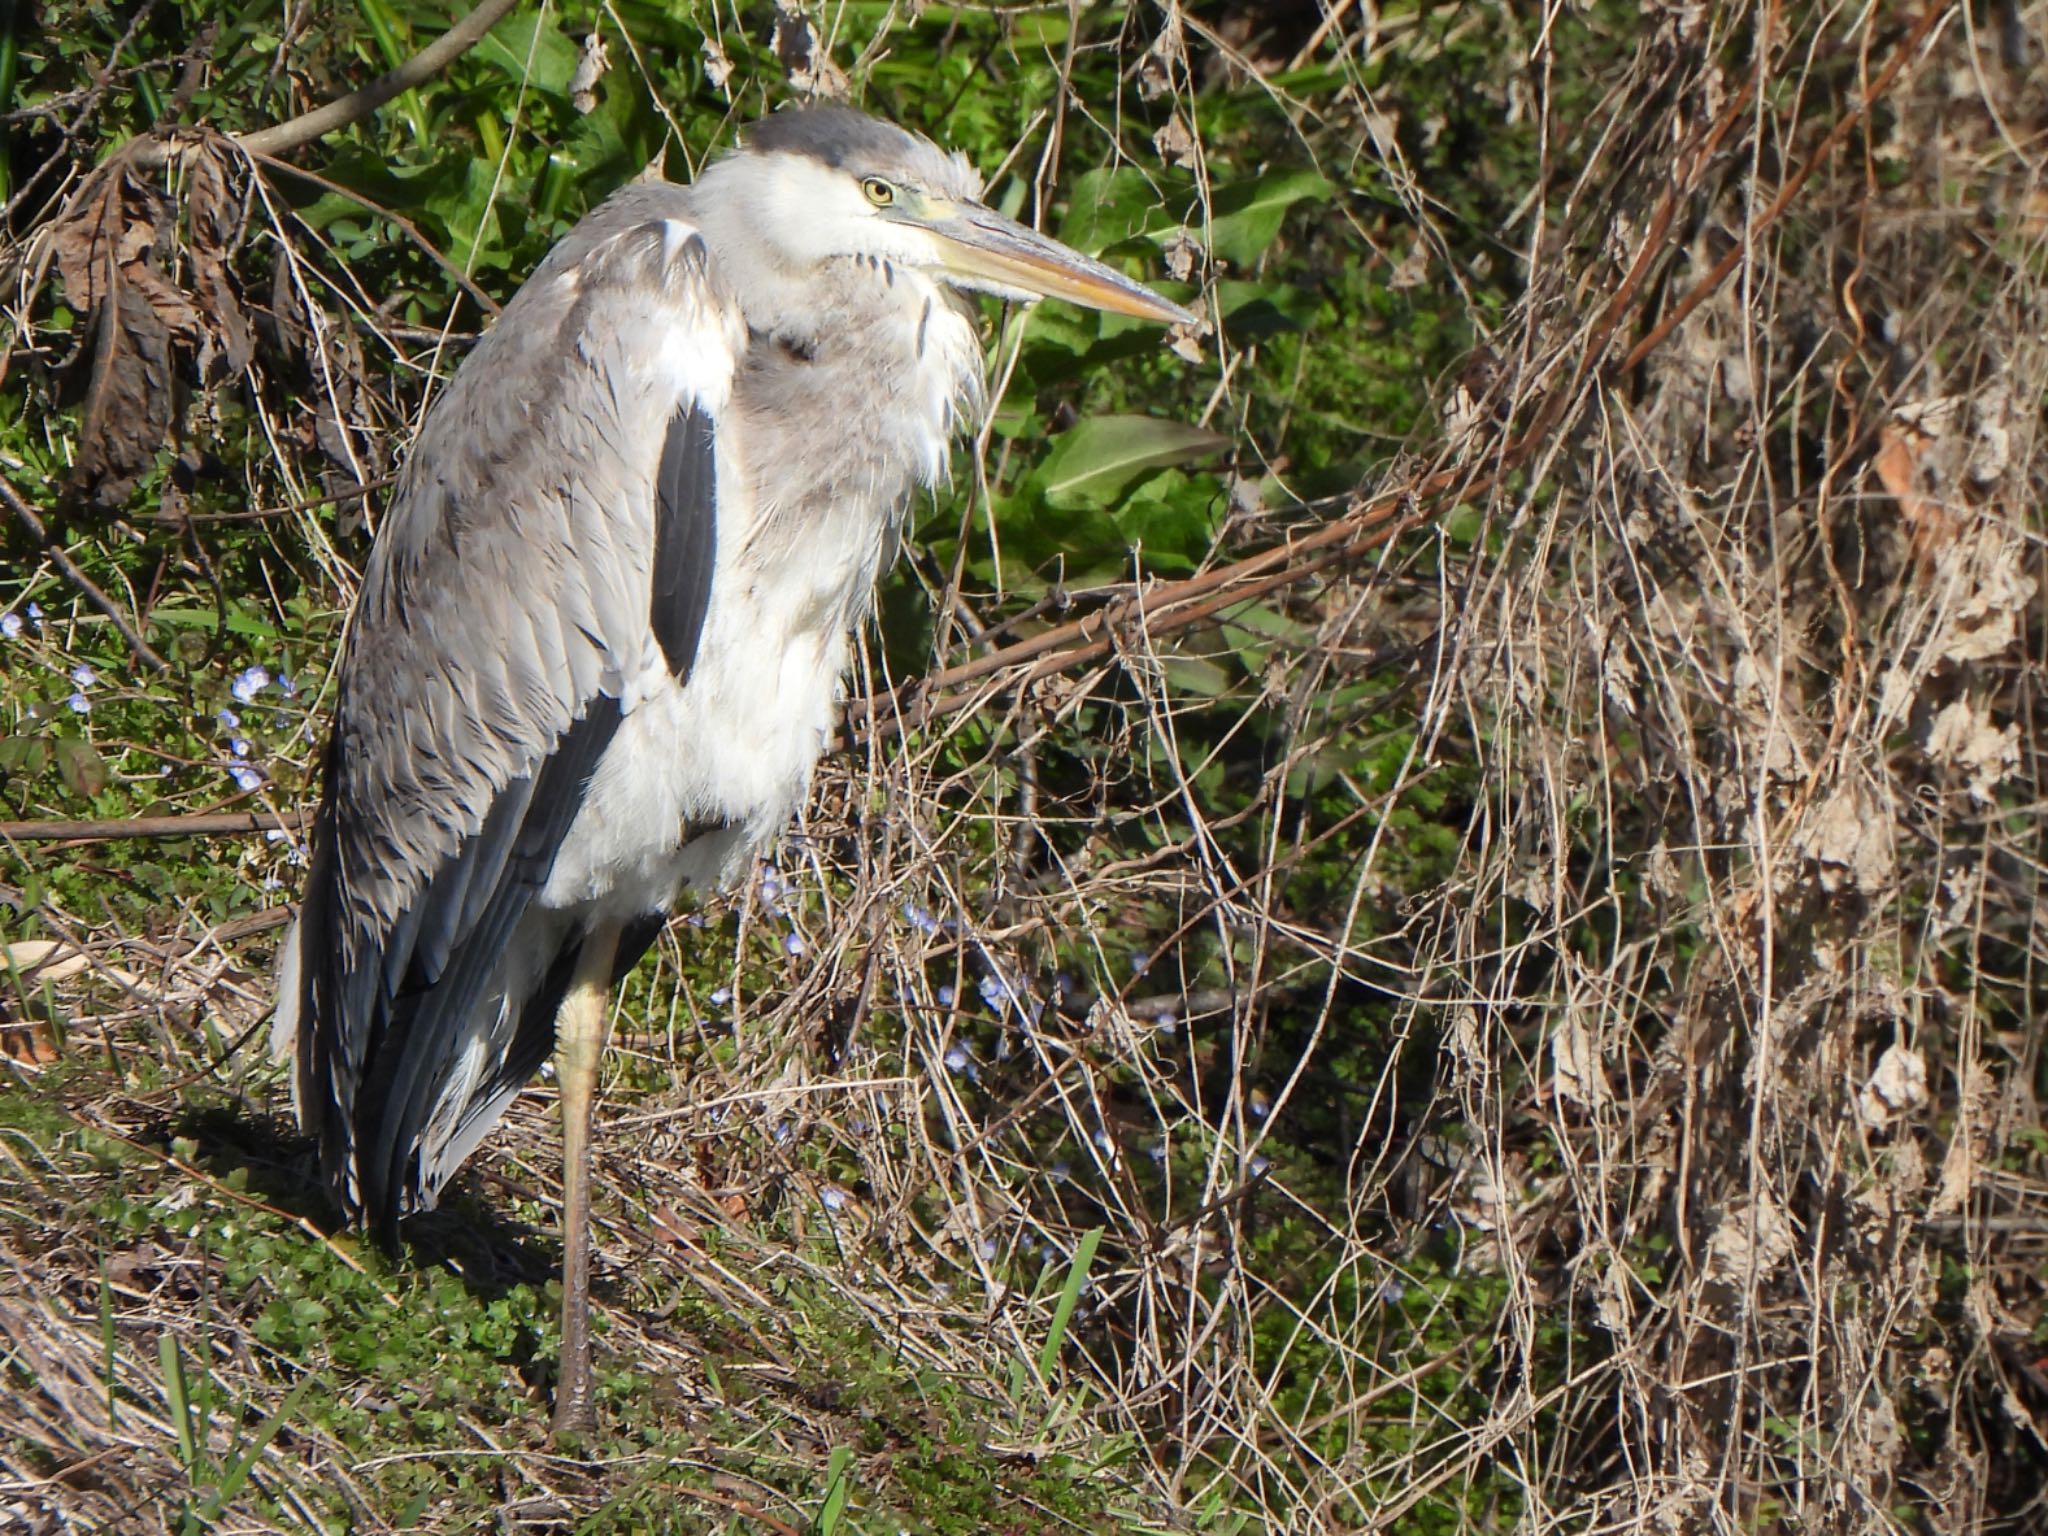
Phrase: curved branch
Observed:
(353, 108)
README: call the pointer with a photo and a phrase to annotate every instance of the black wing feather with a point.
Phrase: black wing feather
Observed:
(685, 538)
(459, 927)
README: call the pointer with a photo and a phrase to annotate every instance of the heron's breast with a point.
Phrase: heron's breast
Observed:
(732, 749)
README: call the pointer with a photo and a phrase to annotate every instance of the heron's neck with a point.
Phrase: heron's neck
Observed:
(858, 392)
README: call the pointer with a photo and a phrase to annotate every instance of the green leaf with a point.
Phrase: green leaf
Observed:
(839, 1488)
(82, 769)
(1097, 458)
(1198, 675)
(1063, 1309)
(27, 755)
(1246, 217)
(554, 57)
(1108, 206)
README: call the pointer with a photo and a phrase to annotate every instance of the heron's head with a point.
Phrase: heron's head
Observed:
(826, 184)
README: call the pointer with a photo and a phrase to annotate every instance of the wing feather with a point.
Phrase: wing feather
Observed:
(553, 526)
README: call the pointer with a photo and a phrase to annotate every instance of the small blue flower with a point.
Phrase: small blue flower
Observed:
(249, 683)
(239, 747)
(1139, 965)
(1259, 1164)
(793, 945)
(946, 995)
(286, 686)
(229, 720)
(245, 777)
(988, 1247)
(1391, 1291)
(1259, 1102)
(84, 676)
(920, 919)
(1157, 1151)
(721, 996)
(834, 1197)
(10, 625)
(80, 704)
(1102, 1141)
(274, 835)
(957, 1059)
(35, 613)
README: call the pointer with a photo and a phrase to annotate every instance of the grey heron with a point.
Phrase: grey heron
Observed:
(604, 625)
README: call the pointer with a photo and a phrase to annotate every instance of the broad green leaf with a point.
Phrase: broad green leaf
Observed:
(1093, 461)
(1261, 619)
(1197, 675)
(554, 56)
(1169, 518)
(1246, 217)
(1107, 206)
(82, 769)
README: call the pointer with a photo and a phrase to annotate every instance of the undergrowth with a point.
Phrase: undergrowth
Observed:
(1521, 1020)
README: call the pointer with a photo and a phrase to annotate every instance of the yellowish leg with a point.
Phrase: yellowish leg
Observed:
(579, 1048)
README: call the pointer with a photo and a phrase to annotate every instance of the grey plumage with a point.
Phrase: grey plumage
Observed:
(600, 638)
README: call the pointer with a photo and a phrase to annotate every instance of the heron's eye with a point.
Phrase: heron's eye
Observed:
(878, 191)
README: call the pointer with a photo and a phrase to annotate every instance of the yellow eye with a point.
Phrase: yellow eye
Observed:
(878, 191)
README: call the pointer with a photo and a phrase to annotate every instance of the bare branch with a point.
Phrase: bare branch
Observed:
(353, 108)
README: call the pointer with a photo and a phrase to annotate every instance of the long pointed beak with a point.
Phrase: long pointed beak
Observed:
(1002, 256)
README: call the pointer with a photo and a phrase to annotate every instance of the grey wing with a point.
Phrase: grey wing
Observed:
(555, 528)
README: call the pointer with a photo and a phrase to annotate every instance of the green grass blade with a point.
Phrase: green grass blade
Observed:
(107, 1337)
(174, 1395)
(1077, 1276)
(838, 1488)
(239, 1469)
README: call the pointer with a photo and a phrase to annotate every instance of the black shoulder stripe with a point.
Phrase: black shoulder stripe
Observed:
(685, 537)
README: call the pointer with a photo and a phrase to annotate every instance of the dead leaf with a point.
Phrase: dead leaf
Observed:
(1175, 143)
(1166, 58)
(112, 247)
(213, 231)
(1962, 735)
(810, 67)
(1897, 1087)
(1902, 449)
(674, 1229)
(1752, 1239)
(1850, 839)
(1575, 1059)
(717, 66)
(590, 68)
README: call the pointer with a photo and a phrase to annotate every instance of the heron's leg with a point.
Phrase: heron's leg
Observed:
(579, 1047)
